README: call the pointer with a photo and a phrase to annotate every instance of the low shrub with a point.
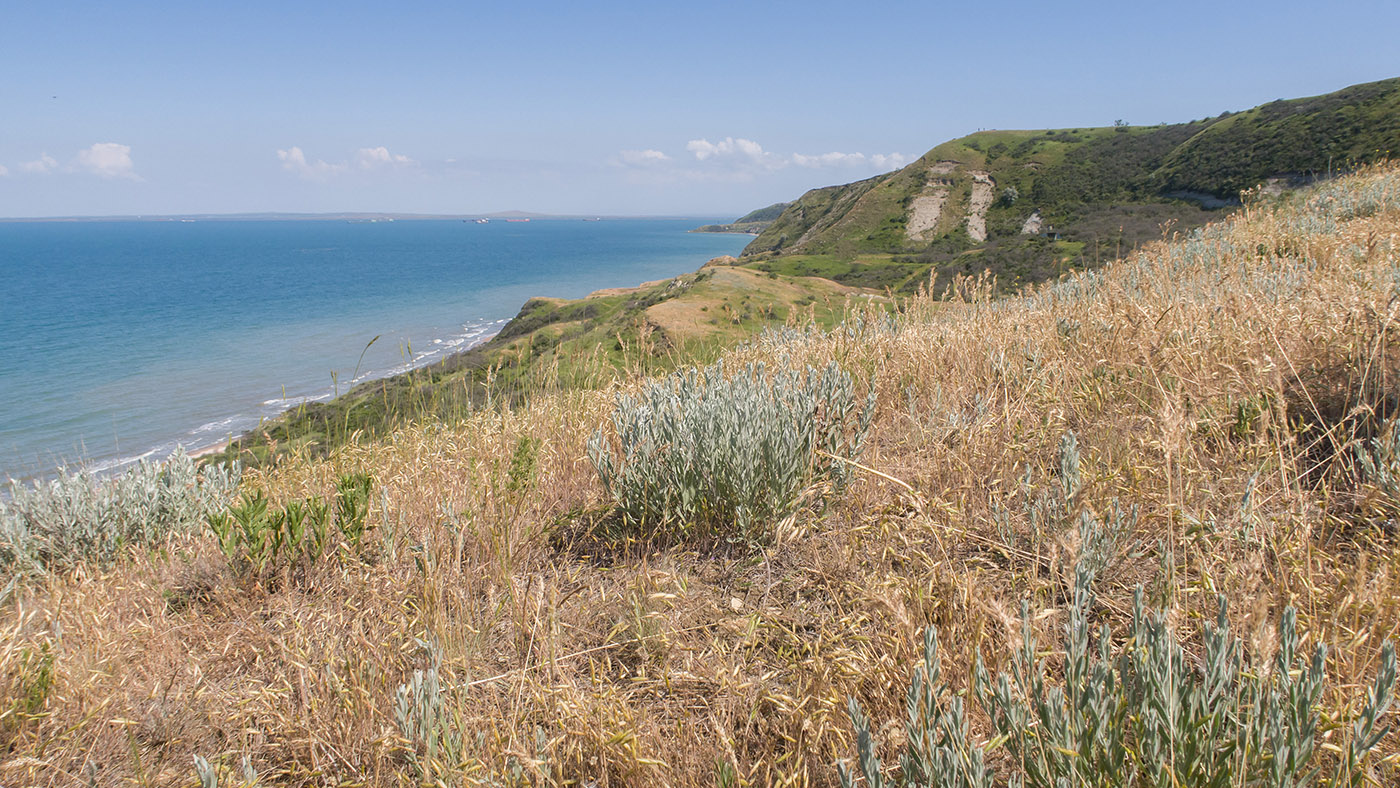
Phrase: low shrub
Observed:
(263, 542)
(703, 454)
(80, 517)
(1145, 715)
(1378, 461)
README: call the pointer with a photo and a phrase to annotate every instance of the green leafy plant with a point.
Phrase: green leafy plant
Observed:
(523, 464)
(352, 495)
(260, 540)
(703, 454)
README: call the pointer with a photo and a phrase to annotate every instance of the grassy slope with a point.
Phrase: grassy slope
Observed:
(1217, 384)
(1099, 187)
(556, 343)
(751, 222)
(1082, 181)
(1301, 137)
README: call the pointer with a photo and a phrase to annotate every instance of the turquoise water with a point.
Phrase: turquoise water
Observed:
(120, 340)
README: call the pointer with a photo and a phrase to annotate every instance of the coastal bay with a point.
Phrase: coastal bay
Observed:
(122, 340)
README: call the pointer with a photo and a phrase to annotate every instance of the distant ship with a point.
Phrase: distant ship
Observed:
(517, 220)
(477, 221)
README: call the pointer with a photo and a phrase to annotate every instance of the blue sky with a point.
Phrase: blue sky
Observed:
(608, 108)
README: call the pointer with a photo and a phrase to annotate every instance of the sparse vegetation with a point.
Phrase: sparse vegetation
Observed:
(1187, 421)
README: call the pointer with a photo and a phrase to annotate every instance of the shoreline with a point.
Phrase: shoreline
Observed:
(203, 431)
(211, 449)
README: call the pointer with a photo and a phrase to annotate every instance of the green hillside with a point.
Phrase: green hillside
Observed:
(751, 222)
(1023, 204)
(1297, 138)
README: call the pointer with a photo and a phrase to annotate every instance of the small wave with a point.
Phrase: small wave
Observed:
(222, 425)
(106, 466)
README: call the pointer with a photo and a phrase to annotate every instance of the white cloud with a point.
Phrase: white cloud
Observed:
(45, 163)
(729, 147)
(833, 159)
(294, 160)
(369, 158)
(890, 161)
(642, 158)
(106, 159)
(736, 159)
(4, 170)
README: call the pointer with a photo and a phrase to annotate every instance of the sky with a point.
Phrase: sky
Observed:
(139, 108)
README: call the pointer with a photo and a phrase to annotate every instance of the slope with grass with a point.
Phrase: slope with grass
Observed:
(1213, 416)
(1022, 206)
(1107, 188)
(753, 222)
(581, 343)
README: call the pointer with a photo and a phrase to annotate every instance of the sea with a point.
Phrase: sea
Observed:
(121, 340)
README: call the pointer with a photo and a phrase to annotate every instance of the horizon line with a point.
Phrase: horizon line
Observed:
(334, 215)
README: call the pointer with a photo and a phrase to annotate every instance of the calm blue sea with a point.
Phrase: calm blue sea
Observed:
(120, 340)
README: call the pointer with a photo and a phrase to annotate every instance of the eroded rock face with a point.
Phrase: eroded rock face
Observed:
(982, 188)
(924, 211)
(927, 208)
(1033, 224)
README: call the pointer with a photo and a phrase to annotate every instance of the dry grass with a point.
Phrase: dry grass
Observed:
(1217, 383)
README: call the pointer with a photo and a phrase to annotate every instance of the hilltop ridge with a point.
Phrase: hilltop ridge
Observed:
(1016, 202)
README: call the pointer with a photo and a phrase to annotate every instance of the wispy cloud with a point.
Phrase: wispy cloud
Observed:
(642, 158)
(4, 170)
(45, 163)
(369, 158)
(879, 161)
(741, 159)
(294, 160)
(107, 160)
(890, 161)
(732, 149)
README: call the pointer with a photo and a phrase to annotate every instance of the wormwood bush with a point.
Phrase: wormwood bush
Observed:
(79, 517)
(260, 541)
(1145, 715)
(1379, 462)
(702, 454)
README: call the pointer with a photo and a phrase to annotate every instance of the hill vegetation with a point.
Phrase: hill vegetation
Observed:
(1023, 204)
(752, 222)
(1205, 428)
(1022, 207)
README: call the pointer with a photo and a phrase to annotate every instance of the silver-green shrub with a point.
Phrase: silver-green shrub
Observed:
(1142, 714)
(1379, 462)
(705, 454)
(79, 517)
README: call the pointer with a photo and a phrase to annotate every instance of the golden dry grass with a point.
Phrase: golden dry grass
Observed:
(1216, 383)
